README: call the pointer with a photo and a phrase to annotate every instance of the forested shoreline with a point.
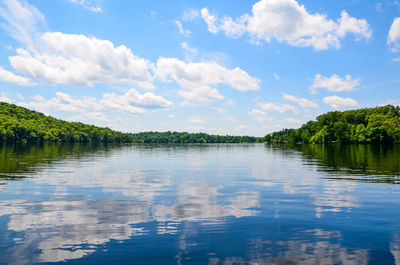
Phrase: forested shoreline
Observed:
(380, 125)
(18, 124)
(184, 137)
(369, 125)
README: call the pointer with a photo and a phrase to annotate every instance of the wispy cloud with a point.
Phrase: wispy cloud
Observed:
(23, 21)
(91, 5)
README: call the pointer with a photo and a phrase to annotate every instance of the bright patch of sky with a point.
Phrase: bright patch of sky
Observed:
(241, 68)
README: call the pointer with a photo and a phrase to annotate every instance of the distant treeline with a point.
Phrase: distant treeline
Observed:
(369, 125)
(18, 124)
(184, 137)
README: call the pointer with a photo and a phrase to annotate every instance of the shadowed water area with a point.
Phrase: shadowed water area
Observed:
(199, 204)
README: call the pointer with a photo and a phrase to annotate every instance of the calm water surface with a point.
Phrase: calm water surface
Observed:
(199, 204)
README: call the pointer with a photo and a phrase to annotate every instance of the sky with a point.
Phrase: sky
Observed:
(220, 67)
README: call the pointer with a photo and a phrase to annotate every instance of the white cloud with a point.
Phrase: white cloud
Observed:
(23, 20)
(201, 94)
(288, 21)
(98, 117)
(276, 76)
(292, 120)
(190, 52)
(4, 98)
(57, 58)
(334, 83)
(131, 99)
(282, 108)
(68, 59)
(134, 102)
(197, 78)
(394, 35)
(259, 116)
(91, 5)
(61, 102)
(182, 31)
(10, 77)
(71, 59)
(340, 103)
(219, 110)
(131, 102)
(303, 102)
(190, 14)
(196, 121)
(210, 20)
(38, 98)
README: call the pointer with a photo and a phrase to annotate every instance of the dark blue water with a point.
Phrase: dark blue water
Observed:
(199, 204)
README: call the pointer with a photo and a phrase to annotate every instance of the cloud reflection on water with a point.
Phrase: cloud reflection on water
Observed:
(78, 205)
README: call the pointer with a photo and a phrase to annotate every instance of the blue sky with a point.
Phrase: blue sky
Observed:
(243, 69)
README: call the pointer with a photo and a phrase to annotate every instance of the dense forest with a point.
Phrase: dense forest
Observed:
(369, 125)
(18, 124)
(184, 137)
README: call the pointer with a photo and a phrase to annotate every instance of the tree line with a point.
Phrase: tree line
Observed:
(184, 137)
(18, 124)
(369, 125)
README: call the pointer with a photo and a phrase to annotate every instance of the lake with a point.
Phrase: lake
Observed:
(199, 204)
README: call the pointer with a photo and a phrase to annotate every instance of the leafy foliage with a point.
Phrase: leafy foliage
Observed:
(184, 137)
(369, 125)
(19, 124)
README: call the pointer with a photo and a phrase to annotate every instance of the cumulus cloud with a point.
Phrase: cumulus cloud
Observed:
(339, 102)
(10, 77)
(196, 79)
(202, 94)
(334, 83)
(131, 102)
(56, 58)
(67, 59)
(61, 102)
(282, 108)
(288, 21)
(71, 59)
(91, 5)
(134, 102)
(303, 102)
(259, 116)
(394, 35)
